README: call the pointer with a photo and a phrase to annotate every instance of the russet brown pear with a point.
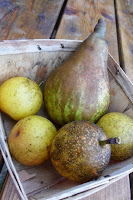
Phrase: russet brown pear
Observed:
(79, 88)
(76, 152)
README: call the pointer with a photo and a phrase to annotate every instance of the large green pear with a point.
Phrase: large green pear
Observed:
(79, 88)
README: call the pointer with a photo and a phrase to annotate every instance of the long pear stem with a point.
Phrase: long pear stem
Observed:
(116, 140)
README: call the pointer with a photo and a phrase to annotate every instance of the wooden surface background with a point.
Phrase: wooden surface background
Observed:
(74, 19)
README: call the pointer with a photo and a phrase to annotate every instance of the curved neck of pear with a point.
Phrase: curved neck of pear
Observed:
(100, 28)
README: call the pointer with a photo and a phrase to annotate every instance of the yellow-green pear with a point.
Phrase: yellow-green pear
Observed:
(30, 140)
(20, 97)
(117, 124)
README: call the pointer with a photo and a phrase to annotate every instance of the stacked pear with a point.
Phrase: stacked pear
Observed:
(79, 88)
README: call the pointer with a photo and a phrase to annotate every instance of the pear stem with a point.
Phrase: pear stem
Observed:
(100, 28)
(116, 140)
(41, 83)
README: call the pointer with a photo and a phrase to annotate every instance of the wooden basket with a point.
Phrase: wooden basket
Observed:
(36, 59)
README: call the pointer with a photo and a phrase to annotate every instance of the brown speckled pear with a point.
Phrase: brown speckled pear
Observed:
(76, 152)
(79, 88)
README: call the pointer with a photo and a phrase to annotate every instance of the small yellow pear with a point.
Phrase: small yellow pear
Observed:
(20, 97)
(30, 140)
(117, 124)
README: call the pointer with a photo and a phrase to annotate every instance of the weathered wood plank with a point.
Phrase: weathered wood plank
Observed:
(115, 191)
(9, 191)
(106, 193)
(28, 19)
(124, 11)
(80, 17)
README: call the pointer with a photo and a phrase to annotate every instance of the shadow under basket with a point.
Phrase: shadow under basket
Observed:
(36, 59)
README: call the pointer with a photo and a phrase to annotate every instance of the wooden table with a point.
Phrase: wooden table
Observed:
(73, 19)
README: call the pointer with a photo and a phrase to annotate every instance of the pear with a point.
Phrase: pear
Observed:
(81, 151)
(117, 124)
(30, 140)
(79, 88)
(20, 97)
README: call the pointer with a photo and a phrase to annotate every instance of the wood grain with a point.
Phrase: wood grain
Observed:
(9, 191)
(80, 17)
(115, 191)
(28, 18)
(124, 10)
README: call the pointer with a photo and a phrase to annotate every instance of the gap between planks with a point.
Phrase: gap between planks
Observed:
(28, 19)
(58, 20)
